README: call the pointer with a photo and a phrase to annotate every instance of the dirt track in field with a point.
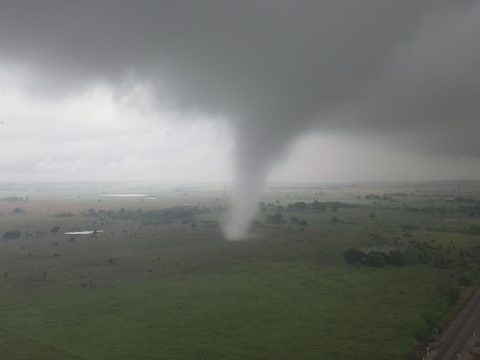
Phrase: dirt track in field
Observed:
(458, 334)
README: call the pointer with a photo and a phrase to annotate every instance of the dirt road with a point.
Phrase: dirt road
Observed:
(456, 337)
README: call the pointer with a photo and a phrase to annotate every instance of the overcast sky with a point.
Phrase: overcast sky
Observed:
(334, 90)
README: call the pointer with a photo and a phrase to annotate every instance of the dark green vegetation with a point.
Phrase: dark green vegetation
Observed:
(11, 235)
(162, 283)
(378, 258)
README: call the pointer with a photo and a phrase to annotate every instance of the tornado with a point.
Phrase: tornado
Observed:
(274, 69)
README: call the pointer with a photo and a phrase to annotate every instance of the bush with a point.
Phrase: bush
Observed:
(466, 279)
(381, 259)
(275, 219)
(412, 256)
(396, 258)
(373, 197)
(452, 294)
(318, 206)
(333, 220)
(353, 256)
(10, 235)
(425, 257)
(298, 206)
(375, 259)
(425, 334)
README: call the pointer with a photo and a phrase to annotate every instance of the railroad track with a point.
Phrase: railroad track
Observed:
(456, 337)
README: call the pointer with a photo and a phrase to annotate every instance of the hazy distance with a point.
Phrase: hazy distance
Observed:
(227, 90)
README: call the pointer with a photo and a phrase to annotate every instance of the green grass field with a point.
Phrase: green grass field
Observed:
(173, 291)
(251, 311)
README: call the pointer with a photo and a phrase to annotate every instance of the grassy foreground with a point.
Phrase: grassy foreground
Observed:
(277, 310)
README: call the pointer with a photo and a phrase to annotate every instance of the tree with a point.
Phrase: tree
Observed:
(353, 256)
(318, 206)
(333, 220)
(396, 258)
(298, 206)
(466, 279)
(294, 220)
(452, 294)
(375, 259)
(11, 235)
(275, 219)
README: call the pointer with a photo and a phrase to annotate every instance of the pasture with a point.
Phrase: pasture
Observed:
(161, 281)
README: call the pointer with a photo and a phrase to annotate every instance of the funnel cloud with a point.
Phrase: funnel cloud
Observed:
(407, 70)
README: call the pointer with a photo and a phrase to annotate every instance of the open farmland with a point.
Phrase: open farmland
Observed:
(161, 281)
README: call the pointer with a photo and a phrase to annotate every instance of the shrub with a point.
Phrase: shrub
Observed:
(373, 197)
(466, 279)
(298, 206)
(333, 220)
(353, 256)
(396, 258)
(452, 294)
(275, 219)
(412, 256)
(10, 235)
(318, 206)
(375, 259)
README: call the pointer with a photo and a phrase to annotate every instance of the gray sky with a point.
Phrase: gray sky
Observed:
(330, 90)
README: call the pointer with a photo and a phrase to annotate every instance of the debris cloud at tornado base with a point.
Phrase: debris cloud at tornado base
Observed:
(274, 69)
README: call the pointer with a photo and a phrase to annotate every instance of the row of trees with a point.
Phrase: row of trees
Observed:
(183, 214)
(278, 219)
(471, 211)
(318, 206)
(11, 235)
(302, 206)
(14, 199)
(375, 258)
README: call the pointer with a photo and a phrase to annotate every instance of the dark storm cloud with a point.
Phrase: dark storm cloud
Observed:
(274, 68)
